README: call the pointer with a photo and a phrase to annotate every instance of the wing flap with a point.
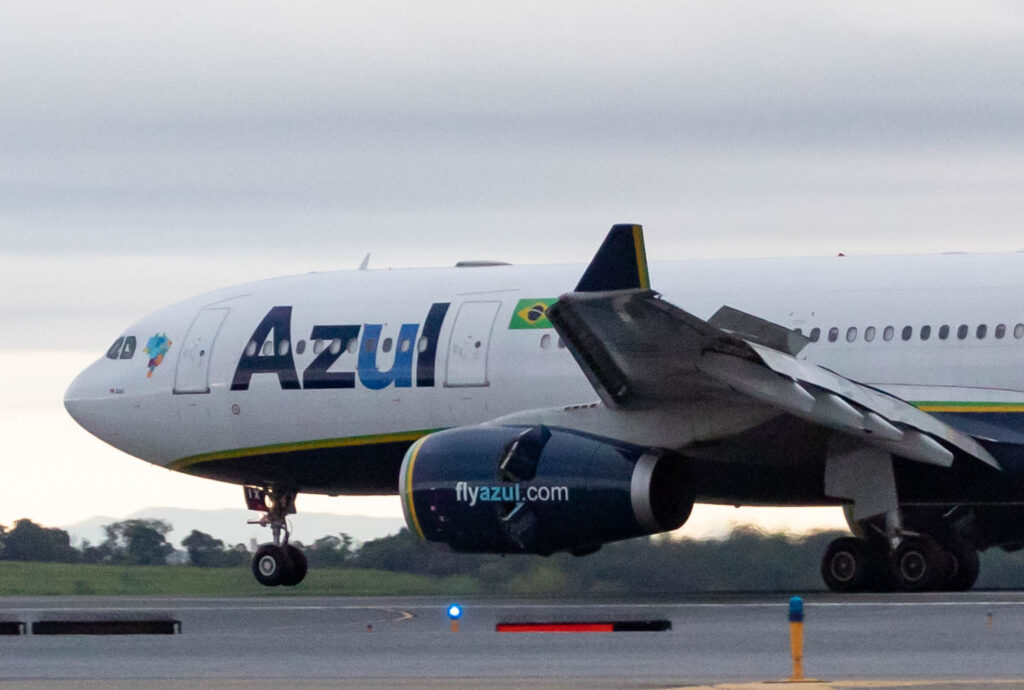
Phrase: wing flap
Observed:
(888, 408)
(755, 329)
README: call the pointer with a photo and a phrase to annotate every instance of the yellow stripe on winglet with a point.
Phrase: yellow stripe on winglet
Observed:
(409, 503)
(641, 257)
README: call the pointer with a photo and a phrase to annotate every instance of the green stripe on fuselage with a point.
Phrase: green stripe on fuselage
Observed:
(974, 407)
(277, 448)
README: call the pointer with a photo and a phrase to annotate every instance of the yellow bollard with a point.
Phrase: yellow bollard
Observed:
(796, 638)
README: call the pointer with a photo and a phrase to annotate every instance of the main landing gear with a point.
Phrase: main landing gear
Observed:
(892, 559)
(277, 563)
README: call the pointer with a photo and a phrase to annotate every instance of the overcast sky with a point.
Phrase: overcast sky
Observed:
(150, 151)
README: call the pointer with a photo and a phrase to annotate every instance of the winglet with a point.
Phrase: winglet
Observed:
(620, 263)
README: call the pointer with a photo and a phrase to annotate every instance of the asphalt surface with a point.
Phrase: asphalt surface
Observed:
(960, 640)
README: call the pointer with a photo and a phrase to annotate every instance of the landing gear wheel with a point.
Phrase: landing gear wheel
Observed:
(964, 566)
(296, 570)
(919, 564)
(848, 565)
(271, 565)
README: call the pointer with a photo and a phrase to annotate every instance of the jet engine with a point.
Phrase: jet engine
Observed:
(502, 489)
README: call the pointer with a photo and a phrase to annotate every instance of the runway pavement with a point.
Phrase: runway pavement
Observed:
(386, 642)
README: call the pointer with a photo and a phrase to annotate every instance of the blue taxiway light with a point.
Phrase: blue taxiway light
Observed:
(455, 612)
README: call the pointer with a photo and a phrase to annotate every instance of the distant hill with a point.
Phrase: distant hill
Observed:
(229, 525)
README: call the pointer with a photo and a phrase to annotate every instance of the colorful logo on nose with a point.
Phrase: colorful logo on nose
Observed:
(156, 347)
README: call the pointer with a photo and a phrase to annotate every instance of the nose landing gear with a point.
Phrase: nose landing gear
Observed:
(277, 563)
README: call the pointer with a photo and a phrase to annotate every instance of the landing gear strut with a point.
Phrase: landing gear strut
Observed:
(277, 563)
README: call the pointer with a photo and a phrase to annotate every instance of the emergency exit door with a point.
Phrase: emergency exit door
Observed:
(193, 373)
(467, 349)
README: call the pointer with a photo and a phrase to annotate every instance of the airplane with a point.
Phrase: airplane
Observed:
(515, 413)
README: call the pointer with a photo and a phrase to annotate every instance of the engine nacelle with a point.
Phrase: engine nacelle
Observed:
(503, 489)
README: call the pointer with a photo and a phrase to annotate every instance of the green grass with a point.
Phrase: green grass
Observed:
(35, 579)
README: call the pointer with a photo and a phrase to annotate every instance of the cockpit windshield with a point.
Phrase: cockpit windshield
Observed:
(123, 348)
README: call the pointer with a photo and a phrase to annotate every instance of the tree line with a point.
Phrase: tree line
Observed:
(747, 560)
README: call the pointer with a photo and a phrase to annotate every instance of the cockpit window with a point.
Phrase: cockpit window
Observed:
(115, 350)
(129, 348)
(123, 348)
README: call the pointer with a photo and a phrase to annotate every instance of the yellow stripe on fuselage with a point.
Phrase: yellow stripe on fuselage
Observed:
(410, 505)
(276, 448)
(936, 406)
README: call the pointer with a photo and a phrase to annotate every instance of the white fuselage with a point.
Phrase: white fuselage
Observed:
(483, 368)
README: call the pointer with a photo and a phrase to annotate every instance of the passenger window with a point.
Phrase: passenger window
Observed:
(353, 345)
(815, 334)
(129, 348)
(115, 350)
(888, 333)
(908, 333)
(869, 333)
(250, 349)
(300, 347)
(336, 346)
(405, 345)
(422, 344)
(851, 334)
(833, 334)
(1018, 331)
(798, 331)
(268, 348)
(386, 345)
(943, 332)
(370, 345)
(318, 346)
(926, 332)
(982, 331)
(282, 348)
(545, 341)
(961, 331)
(1000, 331)
(561, 344)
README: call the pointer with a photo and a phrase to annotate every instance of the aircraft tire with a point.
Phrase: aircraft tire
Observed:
(919, 564)
(270, 564)
(964, 566)
(297, 566)
(848, 565)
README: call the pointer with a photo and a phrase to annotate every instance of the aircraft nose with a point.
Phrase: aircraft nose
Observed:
(86, 399)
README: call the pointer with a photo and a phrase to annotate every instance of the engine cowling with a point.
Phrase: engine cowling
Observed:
(502, 489)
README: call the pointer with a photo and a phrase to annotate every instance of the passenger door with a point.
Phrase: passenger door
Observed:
(193, 372)
(469, 343)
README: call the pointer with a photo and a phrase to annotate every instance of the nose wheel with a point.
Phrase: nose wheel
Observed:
(276, 563)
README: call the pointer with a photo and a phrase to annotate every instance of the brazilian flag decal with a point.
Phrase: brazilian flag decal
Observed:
(532, 313)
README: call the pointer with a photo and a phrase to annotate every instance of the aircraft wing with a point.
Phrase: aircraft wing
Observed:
(640, 353)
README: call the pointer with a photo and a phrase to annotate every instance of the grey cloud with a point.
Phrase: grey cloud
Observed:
(242, 128)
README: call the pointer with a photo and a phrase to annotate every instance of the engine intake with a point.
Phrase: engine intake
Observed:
(502, 489)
